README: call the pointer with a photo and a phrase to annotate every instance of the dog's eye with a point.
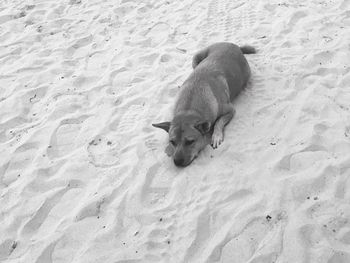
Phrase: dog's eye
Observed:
(173, 143)
(189, 142)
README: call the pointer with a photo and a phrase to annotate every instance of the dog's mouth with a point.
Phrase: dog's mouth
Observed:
(184, 164)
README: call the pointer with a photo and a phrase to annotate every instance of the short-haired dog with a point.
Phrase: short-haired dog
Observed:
(204, 105)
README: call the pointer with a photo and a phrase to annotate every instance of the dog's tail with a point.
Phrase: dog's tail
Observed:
(246, 49)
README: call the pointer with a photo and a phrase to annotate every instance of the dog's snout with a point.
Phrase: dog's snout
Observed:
(179, 161)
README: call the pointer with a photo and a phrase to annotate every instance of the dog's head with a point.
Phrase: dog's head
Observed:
(188, 135)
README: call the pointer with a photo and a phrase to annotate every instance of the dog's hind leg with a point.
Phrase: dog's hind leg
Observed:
(199, 56)
(218, 133)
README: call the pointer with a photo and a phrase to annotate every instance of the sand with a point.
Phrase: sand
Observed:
(83, 174)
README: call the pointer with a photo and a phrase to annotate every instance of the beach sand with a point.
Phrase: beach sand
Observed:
(83, 174)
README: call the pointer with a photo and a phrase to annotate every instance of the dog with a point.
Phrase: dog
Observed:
(203, 106)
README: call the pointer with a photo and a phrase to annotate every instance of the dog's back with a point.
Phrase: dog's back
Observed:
(220, 73)
(227, 59)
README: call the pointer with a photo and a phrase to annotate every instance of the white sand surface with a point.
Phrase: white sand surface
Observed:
(84, 177)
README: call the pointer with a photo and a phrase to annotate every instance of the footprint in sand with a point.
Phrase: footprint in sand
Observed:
(242, 247)
(345, 238)
(158, 33)
(22, 157)
(340, 257)
(159, 240)
(6, 248)
(308, 156)
(10, 129)
(75, 2)
(92, 209)
(303, 160)
(5, 18)
(165, 58)
(149, 59)
(44, 213)
(230, 23)
(63, 139)
(347, 132)
(35, 95)
(293, 21)
(319, 62)
(130, 119)
(104, 152)
(311, 233)
(124, 9)
(313, 185)
(152, 143)
(80, 43)
(56, 12)
(46, 254)
(343, 185)
(202, 233)
(96, 61)
(39, 217)
(226, 19)
(156, 186)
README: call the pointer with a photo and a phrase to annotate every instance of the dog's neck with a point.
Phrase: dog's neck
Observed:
(188, 114)
(187, 118)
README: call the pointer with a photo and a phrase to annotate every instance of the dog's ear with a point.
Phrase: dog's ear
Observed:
(203, 127)
(169, 150)
(163, 125)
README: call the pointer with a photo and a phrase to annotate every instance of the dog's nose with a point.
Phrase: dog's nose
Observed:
(179, 161)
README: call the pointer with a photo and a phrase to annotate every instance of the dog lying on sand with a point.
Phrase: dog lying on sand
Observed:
(204, 107)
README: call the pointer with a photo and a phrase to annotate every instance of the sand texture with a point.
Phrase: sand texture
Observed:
(83, 174)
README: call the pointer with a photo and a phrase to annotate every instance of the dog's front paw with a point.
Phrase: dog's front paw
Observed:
(216, 139)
